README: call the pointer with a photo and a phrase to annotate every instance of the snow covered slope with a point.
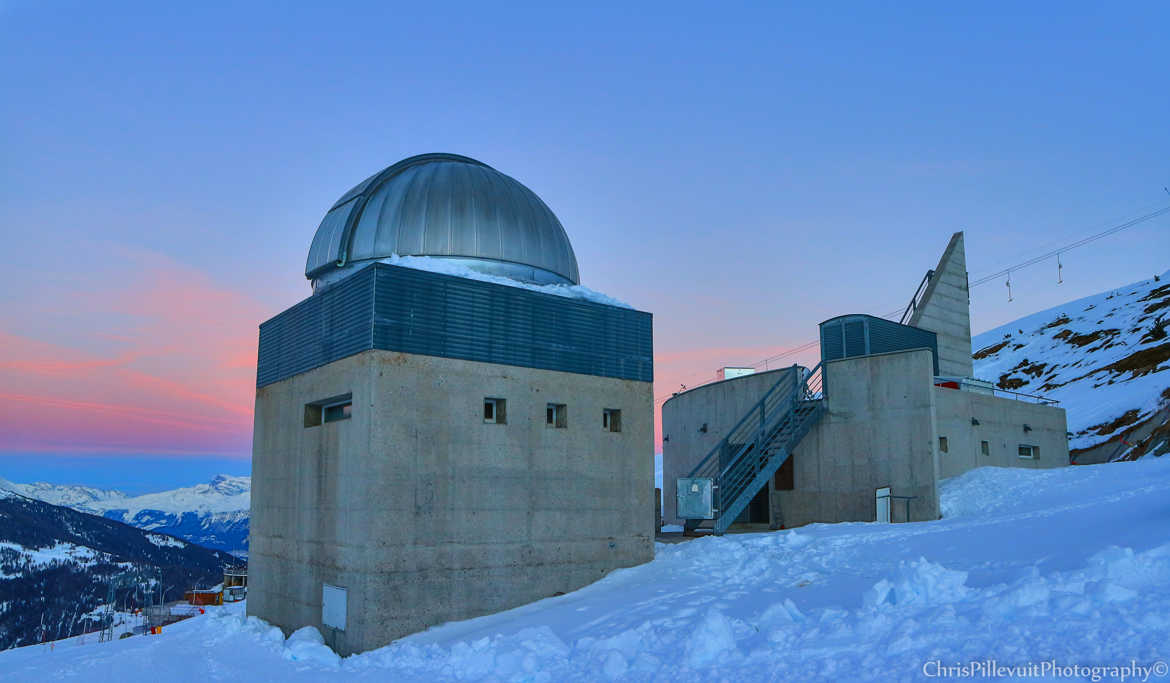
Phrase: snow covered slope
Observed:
(1069, 565)
(1105, 358)
(213, 515)
(76, 497)
(55, 563)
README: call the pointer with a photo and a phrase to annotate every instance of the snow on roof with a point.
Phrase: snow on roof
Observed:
(438, 265)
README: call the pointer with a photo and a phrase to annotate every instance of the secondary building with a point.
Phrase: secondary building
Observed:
(866, 435)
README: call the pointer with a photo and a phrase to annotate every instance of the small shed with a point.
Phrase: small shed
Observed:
(204, 596)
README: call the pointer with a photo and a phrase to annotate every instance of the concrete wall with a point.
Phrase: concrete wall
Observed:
(426, 514)
(1001, 424)
(719, 405)
(878, 431)
(945, 309)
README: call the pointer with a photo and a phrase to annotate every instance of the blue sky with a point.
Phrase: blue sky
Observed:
(742, 171)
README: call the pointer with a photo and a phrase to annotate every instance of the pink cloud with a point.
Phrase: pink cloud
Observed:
(160, 360)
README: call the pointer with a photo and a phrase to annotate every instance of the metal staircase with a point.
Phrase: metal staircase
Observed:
(755, 448)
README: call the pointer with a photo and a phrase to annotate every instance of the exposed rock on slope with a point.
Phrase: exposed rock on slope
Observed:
(1105, 358)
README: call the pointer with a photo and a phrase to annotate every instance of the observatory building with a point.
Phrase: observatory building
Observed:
(865, 435)
(443, 437)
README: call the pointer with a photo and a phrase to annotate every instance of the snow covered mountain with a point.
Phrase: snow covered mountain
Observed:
(1106, 358)
(56, 562)
(77, 497)
(213, 515)
(1060, 567)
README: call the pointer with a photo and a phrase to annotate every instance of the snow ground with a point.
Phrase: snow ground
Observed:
(1069, 565)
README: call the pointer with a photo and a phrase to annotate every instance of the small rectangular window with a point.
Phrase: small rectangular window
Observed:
(942, 444)
(556, 415)
(338, 411)
(329, 410)
(984, 448)
(495, 411)
(611, 420)
(1029, 451)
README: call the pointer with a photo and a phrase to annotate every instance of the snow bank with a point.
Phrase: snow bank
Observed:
(306, 645)
(919, 582)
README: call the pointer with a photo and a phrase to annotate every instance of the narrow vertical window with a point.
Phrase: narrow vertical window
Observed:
(556, 415)
(495, 411)
(611, 420)
(942, 445)
(984, 448)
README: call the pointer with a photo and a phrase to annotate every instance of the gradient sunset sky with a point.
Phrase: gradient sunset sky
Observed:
(742, 171)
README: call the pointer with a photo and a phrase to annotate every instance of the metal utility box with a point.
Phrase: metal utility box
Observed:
(696, 499)
(732, 373)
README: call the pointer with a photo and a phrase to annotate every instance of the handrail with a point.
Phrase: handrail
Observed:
(814, 383)
(801, 391)
(760, 406)
(733, 461)
(763, 453)
(732, 472)
(912, 307)
(1042, 400)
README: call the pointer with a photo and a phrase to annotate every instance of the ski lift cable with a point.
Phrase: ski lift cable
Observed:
(1072, 245)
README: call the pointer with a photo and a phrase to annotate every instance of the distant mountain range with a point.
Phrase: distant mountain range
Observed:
(213, 515)
(56, 564)
(1106, 358)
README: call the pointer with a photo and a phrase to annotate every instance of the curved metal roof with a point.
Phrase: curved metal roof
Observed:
(445, 205)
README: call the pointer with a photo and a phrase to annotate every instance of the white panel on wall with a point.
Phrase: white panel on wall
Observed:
(333, 606)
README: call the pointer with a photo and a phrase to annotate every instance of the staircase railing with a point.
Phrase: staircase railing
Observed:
(759, 443)
(915, 300)
(744, 431)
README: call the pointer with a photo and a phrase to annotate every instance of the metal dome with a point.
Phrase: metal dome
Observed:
(447, 206)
